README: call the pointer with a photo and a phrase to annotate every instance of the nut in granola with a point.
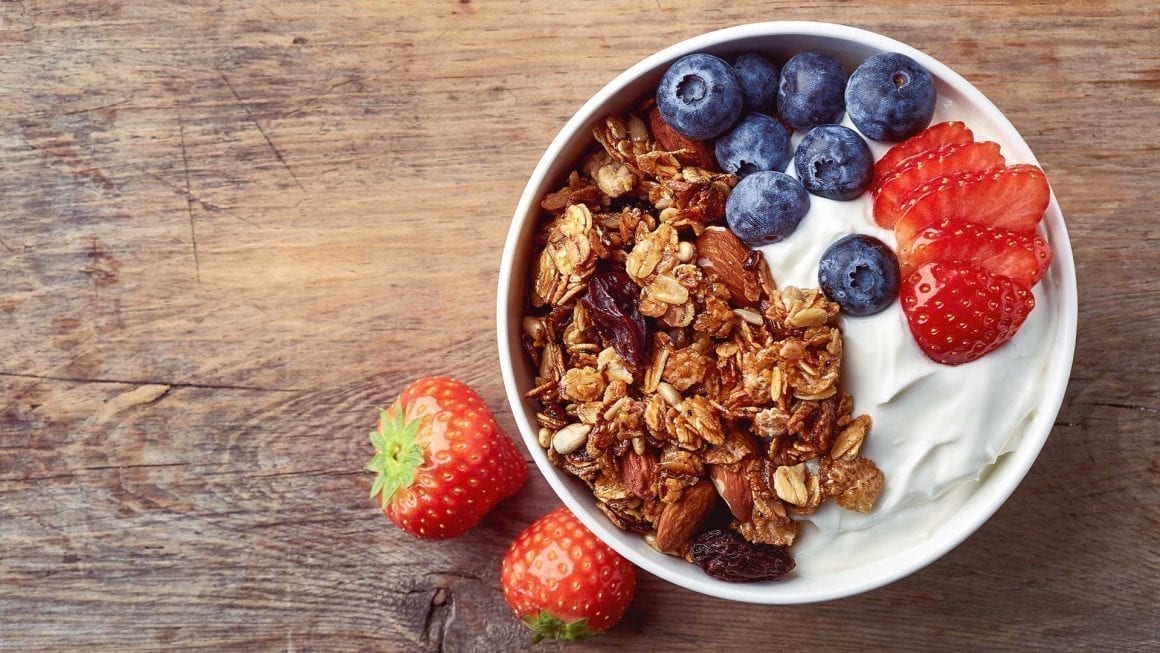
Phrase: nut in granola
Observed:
(722, 254)
(570, 438)
(681, 518)
(732, 485)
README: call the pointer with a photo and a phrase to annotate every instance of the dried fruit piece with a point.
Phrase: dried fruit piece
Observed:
(725, 555)
(613, 304)
(640, 474)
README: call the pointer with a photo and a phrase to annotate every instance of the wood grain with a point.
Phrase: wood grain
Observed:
(228, 230)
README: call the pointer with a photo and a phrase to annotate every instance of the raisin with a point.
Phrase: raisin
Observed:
(725, 555)
(612, 302)
(629, 202)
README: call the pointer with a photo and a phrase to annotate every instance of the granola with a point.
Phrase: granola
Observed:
(674, 378)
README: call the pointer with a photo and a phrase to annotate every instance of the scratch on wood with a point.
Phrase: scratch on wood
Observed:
(5, 245)
(250, 115)
(97, 468)
(1142, 409)
(139, 396)
(189, 202)
(208, 206)
(172, 384)
(464, 575)
(91, 109)
(310, 472)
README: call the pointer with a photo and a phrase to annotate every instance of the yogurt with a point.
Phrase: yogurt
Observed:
(937, 428)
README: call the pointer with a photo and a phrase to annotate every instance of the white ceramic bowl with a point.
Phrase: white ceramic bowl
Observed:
(780, 39)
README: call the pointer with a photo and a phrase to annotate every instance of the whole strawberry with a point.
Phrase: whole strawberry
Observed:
(563, 582)
(441, 461)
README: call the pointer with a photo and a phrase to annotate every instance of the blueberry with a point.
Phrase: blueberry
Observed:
(757, 143)
(758, 79)
(700, 96)
(766, 207)
(834, 162)
(860, 273)
(890, 97)
(810, 91)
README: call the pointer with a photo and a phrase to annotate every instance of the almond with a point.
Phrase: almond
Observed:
(640, 474)
(689, 151)
(681, 518)
(723, 254)
(733, 486)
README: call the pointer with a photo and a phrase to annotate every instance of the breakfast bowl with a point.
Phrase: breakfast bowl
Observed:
(952, 441)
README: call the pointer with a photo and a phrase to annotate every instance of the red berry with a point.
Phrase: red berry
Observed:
(1011, 197)
(441, 461)
(1021, 255)
(892, 189)
(958, 312)
(935, 136)
(563, 582)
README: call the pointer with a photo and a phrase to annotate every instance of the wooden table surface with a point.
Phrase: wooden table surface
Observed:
(229, 230)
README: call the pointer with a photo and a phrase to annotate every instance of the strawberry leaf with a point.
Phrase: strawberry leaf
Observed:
(397, 453)
(545, 625)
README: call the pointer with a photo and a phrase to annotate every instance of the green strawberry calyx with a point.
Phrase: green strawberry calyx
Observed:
(397, 453)
(545, 625)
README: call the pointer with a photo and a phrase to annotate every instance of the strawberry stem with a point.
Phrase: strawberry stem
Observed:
(397, 454)
(545, 625)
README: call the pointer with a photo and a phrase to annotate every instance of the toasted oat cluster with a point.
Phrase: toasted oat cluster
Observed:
(674, 378)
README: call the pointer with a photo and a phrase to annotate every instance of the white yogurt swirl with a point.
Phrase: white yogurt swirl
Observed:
(937, 428)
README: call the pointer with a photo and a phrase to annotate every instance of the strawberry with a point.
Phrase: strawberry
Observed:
(1011, 197)
(441, 461)
(689, 151)
(1021, 255)
(892, 189)
(563, 582)
(958, 312)
(935, 136)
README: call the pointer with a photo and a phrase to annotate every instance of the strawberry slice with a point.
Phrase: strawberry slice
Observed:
(958, 312)
(917, 170)
(1011, 197)
(935, 136)
(1021, 255)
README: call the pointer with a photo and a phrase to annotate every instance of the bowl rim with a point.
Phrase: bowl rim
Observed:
(1009, 470)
